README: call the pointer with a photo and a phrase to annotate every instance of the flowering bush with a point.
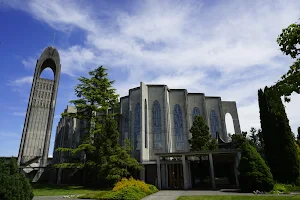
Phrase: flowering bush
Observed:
(131, 182)
(130, 189)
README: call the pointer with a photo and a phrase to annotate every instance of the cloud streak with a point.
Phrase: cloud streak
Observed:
(226, 49)
(22, 81)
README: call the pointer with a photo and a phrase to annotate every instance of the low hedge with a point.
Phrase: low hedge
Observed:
(130, 189)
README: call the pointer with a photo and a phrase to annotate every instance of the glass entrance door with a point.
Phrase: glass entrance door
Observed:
(175, 173)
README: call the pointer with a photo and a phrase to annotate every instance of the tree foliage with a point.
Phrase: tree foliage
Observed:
(13, 185)
(289, 41)
(255, 139)
(254, 173)
(104, 159)
(279, 145)
(237, 140)
(201, 138)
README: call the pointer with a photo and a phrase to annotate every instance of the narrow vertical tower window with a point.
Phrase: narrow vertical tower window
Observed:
(178, 125)
(214, 124)
(156, 123)
(137, 126)
(40, 110)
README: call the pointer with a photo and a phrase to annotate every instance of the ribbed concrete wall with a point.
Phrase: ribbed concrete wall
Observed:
(168, 98)
(40, 111)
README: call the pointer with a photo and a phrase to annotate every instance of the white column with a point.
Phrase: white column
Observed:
(185, 174)
(212, 171)
(158, 172)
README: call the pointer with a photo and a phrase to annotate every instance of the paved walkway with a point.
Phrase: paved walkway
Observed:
(174, 194)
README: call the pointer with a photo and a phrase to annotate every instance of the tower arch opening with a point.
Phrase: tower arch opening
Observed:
(229, 124)
(47, 73)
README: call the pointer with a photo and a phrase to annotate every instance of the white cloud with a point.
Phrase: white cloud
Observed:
(22, 81)
(29, 63)
(228, 49)
(20, 114)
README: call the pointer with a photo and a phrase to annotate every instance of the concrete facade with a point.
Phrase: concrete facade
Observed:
(40, 110)
(175, 109)
(157, 121)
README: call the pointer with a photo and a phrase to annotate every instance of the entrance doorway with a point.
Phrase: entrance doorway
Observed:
(175, 172)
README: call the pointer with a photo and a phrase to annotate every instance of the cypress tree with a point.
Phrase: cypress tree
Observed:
(254, 173)
(280, 149)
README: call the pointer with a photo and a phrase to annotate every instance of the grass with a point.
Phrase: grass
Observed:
(239, 198)
(56, 190)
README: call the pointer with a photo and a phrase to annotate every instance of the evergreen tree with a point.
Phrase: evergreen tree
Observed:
(13, 185)
(238, 140)
(100, 142)
(201, 138)
(279, 146)
(254, 173)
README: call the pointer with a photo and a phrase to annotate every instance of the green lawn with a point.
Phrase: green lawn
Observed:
(55, 190)
(239, 198)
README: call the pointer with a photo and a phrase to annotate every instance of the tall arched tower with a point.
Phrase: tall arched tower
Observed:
(40, 110)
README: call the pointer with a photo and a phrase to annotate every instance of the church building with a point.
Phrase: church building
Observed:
(157, 120)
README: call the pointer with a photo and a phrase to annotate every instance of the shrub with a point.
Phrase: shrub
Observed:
(254, 173)
(130, 189)
(130, 192)
(13, 185)
(280, 188)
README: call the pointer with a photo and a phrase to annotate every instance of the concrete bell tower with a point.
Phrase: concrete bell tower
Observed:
(40, 111)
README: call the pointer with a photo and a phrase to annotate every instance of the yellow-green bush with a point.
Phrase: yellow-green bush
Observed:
(131, 182)
(130, 189)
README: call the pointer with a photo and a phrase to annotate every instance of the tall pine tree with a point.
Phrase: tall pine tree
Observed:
(103, 156)
(279, 146)
(201, 138)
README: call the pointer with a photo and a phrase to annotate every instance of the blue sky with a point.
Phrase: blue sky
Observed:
(221, 48)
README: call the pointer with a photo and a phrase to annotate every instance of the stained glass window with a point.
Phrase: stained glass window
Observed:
(156, 121)
(178, 125)
(214, 124)
(146, 130)
(137, 124)
(196, 112)
(126, 127)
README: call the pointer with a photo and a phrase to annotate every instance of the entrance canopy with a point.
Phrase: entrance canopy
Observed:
(212, 156)
(198, 153)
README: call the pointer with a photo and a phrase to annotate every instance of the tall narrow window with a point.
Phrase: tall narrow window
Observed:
(196, 112)
(137, 124)
(126, 128)
(146, 124)
(178, 125)
(156, 121)
(214, 124)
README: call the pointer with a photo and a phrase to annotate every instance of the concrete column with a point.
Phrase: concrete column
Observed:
(58, 181)
(185, 174)
(158, 172)
(142, 173)
(212, 171)
(167, 176)
(189, 175)
(236, 172)
(163, 176)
